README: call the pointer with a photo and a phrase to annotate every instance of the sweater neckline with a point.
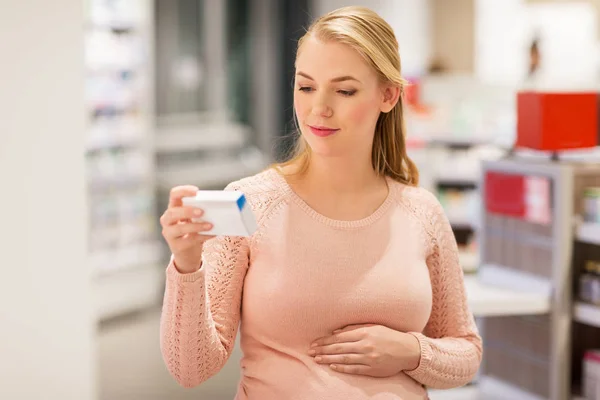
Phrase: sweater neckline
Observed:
(335, 223)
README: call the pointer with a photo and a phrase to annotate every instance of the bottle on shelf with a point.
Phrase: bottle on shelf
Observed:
(589, 283)
(591, 204)
(591, 375)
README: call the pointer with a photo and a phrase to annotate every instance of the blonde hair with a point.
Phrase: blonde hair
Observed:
(367, 33)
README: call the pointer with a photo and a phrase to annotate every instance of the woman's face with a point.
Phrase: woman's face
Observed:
(338, 98)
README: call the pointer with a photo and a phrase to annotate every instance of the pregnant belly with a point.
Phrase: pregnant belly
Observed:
(289, 376)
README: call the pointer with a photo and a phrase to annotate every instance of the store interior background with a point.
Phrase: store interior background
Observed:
(107, 104)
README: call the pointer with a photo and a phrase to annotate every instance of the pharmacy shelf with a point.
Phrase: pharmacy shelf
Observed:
(461, 223)
(116, 132)
(589, 232)
(460, 142)
(486, 300)
(469, 260)
(588, 314)
(455, 182)
(463, 393)
(128, 290)
(486, 389)
(120, 155)
(205, 137)
(206, 174)
(110, 261)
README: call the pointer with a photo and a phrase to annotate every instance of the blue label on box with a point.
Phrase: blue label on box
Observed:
(241, 202)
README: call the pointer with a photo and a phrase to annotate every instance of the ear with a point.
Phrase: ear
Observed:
(391, 96)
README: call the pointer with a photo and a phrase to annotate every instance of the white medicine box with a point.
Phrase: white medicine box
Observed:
(227, 210)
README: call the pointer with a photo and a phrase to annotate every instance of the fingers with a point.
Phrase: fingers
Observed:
(348, 359)
(344, 336)
(353, 328)
(179, 230)
(175, 214)
(338, 348)
(179, 192)
(189, 241)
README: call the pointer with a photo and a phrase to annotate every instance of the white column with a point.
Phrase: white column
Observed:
(266, 71)
(46, 323)
(215, 56)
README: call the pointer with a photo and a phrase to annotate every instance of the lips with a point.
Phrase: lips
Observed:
(322, 131)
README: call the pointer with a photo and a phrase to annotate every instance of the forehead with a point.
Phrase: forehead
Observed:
(327, 60)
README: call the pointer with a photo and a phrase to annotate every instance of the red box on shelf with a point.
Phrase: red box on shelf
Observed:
(557, 121)
(525, 197)
(505, 194)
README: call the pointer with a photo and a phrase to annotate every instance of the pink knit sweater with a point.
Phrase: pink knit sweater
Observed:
(302, 276)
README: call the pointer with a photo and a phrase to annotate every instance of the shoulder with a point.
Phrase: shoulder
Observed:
(420, 200)
(263, 191)
(424, 207)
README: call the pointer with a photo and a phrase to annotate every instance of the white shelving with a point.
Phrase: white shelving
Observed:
(128, 290)
(515, 281)
(486, 300)
(211, 136)
(124, 251)
(589, 232)
(587, 314)
(107, 262)
(463, 393)
(207, 173)
(457, 179)
(469, 260)
(487, 389)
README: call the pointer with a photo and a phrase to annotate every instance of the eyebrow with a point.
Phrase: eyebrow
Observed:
(338, 79)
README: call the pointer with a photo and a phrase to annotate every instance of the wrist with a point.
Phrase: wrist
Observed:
(186, 268)
(412, 348)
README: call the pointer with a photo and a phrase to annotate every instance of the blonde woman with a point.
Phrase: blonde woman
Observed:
(351, 288)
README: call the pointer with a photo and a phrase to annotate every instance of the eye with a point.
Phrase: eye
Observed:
(347, 93)
(306, 89)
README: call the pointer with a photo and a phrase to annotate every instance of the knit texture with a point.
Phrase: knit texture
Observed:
(303, 275)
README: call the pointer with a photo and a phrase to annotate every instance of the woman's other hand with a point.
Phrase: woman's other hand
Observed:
(371, 350)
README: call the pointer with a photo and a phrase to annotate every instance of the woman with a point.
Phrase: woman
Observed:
(351, 288)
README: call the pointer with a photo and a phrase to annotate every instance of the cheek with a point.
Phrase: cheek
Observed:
(300, 106)
(362, 114)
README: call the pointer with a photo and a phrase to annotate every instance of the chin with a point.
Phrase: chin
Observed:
(324, 147)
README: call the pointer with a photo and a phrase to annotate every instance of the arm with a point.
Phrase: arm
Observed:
(201, 311)
(451, 348)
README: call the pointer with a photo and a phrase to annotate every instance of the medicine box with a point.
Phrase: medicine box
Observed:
(228, 211)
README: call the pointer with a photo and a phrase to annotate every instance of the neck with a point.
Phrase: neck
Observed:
(342, 175)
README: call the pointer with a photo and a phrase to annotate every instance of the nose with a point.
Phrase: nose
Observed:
(321, 107)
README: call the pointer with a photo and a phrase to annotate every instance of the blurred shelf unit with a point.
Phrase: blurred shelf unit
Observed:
(487, 389)
(536, 295)
(123, 239)
(589, 232)
(207, 153)
(588, 314)
(450, 168)
(455, 122)
(469, 260)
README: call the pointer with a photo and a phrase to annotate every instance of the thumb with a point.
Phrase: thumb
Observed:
(348, 328)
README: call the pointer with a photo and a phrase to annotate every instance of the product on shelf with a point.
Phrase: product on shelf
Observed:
(554, 121)
(591, 373)
(461, 206)
(591, 204)
(123, 229)
(589, 283)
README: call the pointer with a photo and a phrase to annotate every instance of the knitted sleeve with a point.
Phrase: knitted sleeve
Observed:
(201, 311)
(451, 347)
